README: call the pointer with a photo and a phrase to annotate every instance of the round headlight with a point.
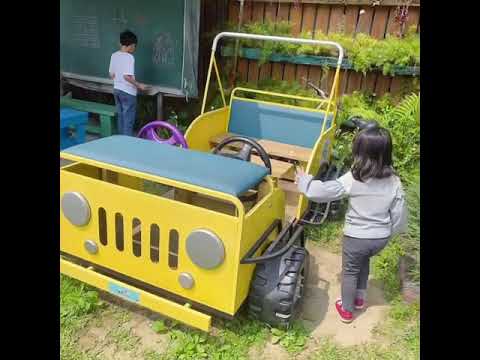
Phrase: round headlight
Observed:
(76, 208)
(205, 249)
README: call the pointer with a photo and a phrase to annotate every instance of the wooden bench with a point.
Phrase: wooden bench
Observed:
(276, 149)
(280, 167)
(106, 113)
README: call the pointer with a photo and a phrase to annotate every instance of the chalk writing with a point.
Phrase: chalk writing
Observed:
(85, 31)
(163, 50)
(119, 17)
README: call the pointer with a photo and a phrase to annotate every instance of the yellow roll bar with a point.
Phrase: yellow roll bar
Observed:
(213, 63)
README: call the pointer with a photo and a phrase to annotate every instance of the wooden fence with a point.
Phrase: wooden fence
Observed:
(327, 16)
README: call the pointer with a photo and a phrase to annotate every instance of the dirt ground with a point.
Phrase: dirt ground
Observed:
(128, 334)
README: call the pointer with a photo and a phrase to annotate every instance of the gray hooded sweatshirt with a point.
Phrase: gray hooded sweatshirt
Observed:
(376, 209)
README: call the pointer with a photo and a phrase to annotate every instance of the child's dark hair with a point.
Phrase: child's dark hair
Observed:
(128, 38)
(372, 154)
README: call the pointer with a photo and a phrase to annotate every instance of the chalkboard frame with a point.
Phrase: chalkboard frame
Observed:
(189, 86)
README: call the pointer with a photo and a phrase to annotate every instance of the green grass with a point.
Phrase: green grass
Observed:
(124, 339)
(232, 340)
(78, 305)
(328, 235)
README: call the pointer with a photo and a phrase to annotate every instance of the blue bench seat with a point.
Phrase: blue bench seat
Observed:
(277, 122)
(202, 169)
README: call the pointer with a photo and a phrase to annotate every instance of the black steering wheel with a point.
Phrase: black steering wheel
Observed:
(246, 151)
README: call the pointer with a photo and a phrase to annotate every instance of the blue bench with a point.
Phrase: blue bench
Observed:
(202, 169)
(276, 122)
(72, 127)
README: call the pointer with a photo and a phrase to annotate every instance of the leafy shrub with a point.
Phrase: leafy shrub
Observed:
(385, 268)
(365, 52)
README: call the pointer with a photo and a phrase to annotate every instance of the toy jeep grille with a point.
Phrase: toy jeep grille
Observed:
(117, 234)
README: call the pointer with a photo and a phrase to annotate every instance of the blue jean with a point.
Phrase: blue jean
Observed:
(126, 111)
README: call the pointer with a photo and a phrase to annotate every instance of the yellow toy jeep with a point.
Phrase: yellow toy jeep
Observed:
(191, 233)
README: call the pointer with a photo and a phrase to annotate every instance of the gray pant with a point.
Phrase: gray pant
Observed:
(356, 256)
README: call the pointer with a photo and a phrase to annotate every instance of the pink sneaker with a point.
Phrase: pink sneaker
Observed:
(359, 304)
(345, 316)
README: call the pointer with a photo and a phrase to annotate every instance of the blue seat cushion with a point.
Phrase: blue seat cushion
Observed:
(276, 122)
(202, 169)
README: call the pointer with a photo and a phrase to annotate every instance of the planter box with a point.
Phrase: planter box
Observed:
(256, 54)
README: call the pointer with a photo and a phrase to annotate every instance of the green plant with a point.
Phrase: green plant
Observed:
(78, 303)
(231, 342)
(124, 338)
(328, 235)
(411, 240)
(402, 120)
(76, 299)
(293, 340)
(385, 267)
(365, 52)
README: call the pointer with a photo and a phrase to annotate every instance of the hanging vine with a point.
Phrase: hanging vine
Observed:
(401, 16)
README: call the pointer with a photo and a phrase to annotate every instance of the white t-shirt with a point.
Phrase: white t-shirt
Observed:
(123, 63)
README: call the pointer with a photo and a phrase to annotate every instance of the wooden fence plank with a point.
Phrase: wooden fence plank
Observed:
(337, 19)
(413, 17)
(383, 85)
(351, 16)
(365, 20)
(380, 19)
(368, 82)
(302, 74)
(323, 15)
(315, 75)
(289, 72)
(253, 71)
(258, 12)
(265, 71)
(270, 11)
(393, 27)
(296, 19)
(354, 82)
(242, 69)
(283, 12)
(309, 12)
(247, 11)
(398, 84)
(233, 11)
(277, 71)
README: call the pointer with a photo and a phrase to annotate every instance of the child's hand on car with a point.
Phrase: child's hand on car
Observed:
(298, 174)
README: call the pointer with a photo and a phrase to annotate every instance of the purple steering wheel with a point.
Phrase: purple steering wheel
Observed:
(149, 132)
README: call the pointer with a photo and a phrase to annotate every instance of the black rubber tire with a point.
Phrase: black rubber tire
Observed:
(272, 297)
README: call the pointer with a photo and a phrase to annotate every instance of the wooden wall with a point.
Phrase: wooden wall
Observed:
(314, 15)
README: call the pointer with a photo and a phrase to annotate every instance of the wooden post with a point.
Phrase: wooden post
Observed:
(160, 107)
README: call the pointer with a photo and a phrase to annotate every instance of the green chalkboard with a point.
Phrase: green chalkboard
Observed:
(167, 31)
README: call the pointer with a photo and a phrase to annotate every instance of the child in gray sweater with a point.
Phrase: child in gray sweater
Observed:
(376, 211)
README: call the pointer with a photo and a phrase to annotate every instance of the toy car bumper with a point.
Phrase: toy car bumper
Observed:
(173, 310)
